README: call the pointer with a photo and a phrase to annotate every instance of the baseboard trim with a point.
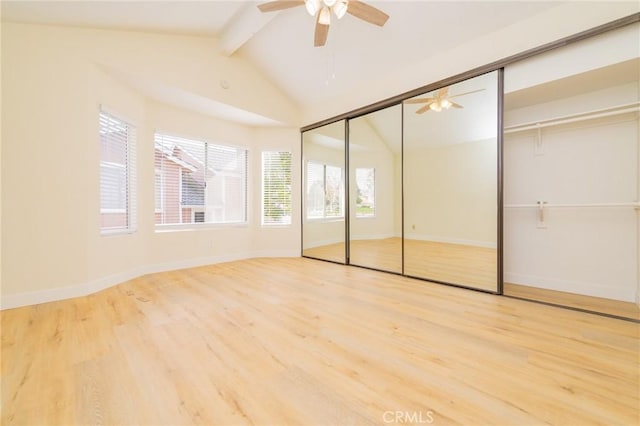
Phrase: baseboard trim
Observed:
(437, 239)
(11, 301)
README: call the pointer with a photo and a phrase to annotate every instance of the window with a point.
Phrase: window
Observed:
(325, 191)
(276, 188)
(365, 192)
(117, 174)
(159, 202)
(199, 182)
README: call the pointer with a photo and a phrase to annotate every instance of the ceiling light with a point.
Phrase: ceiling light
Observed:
(312, 6)
(435, 107)
(445, 103)
(325, 16)
(329, 3)
(340, 8)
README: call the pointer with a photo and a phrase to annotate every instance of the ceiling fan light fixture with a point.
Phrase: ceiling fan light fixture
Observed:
(435, 107)
(329, 3)
(340, 8)
(312, 6)
(445, 103)
(325, 16)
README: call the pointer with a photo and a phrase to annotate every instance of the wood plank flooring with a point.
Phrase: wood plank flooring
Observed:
(597, 304)
(303, 342)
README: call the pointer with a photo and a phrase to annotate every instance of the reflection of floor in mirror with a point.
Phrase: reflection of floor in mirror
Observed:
(470, 266)
(332, 252)
(385, 254)
(597, 304)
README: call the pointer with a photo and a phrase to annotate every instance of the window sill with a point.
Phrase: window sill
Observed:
(191, 227)
(115, 232)
(326, 220)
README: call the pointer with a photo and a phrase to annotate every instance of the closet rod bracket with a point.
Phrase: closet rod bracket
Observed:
(541, 223)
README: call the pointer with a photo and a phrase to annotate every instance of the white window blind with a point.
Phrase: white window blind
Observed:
(276, 188)
(117, 175)
(200, 182)
(324, 191)
(365, 192)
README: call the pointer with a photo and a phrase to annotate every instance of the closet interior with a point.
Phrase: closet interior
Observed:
(571, 161)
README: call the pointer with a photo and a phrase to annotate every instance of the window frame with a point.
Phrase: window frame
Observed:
(262, 189)
(190, 226)
(130, 167)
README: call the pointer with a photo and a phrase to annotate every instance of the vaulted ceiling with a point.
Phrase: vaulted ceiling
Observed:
(280, 44)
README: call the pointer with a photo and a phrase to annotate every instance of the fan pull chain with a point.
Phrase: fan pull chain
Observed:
(331, 56)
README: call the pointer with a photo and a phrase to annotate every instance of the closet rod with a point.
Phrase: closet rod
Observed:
(590, 115)
(546, 205)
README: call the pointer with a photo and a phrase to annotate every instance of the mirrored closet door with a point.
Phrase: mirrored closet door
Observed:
(375, 190)
(571, 161)
(450, 169)
(323, 209)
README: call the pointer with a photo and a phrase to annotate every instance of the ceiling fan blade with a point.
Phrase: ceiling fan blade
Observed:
(367, 13)
(272, 6)
(320, 37)
(424, 108)
(419, 100)
(455, 105)
(465, 93)
(443, 92)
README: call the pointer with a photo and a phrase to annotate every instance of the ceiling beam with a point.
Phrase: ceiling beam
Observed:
(246, 23)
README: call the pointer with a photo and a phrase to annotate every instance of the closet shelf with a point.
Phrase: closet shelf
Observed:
(552, 205)
(589, 115)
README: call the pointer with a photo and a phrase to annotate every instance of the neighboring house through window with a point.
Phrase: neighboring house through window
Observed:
(199, 182)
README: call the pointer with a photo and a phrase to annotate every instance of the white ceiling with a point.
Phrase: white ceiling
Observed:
(207, 18)
(280, 44)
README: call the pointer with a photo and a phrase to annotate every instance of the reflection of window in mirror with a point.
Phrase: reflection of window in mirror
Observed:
(366, 192)
(325, 194)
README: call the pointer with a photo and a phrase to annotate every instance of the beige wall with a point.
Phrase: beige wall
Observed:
(459, 179)
(55, 81)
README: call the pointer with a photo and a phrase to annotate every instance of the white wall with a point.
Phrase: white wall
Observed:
(55, 80)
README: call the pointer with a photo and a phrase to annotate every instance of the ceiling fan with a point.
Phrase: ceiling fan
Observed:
(322, 9)
(440, 101)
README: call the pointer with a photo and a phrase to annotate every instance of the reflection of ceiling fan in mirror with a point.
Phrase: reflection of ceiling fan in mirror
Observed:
(440, 101)
(322, 9)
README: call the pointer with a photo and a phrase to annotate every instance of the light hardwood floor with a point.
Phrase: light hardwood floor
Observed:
(597, 304)
(460, 264)
(304, 342)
